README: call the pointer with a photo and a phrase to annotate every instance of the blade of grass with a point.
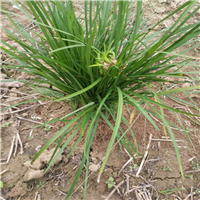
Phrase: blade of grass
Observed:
(117, 124)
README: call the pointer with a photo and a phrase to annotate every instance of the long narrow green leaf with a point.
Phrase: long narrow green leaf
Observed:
(89, 139)
(128, 53)
(58, 134)
(68, 47)
(117, 124)
(80, 91)
(178, 90)
(54, 157)
(141, 109)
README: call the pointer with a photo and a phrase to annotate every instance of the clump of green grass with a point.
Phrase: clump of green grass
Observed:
(111, 59)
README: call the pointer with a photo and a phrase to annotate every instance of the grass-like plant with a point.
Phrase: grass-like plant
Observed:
(102, 61)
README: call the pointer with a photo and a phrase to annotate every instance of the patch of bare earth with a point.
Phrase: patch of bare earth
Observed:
(154, 174)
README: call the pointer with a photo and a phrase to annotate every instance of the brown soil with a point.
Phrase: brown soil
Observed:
(160, 172)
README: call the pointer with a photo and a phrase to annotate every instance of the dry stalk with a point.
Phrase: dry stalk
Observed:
(14, 143)
(127, 183)
(32, 121)
(11, 150)
(17, 91)
(166, 140)
(145, 155)
(176, 196)
(37, 196)
(20, 142)
(3, 171)
(189, 195)
(192, 171)
(162, 124)
(61, 192)
(22, 109)
(130, 160)
(136, 188)
(113, 191)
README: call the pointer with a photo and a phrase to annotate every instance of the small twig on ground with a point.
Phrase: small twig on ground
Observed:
(128, 153)
(145, 155)
(127, 183)
(130, 160)
(166, 140)
(191, 193)
(162, 123)
(38, 100)
(148, 184)
(149, 195)
(142, 194)
(18, 92)
(4, 95)
(192, 171)
(13, 84)
(186, 110)
(18, 139)
(30, 120)
(10, 109)
(189, 160)
(3, 171)
(153, 160)
(11, 150)
(189, 196)
(24, 97)
(27, 26)
(3, 104)
(166, 25)
(197, 118)
(22, 109)
(176, 196)
(61, 192)
(113, 191)
(20, 142)
(30, 134)
(137, 195)
(37, 196)
(16, 145)
(137, 187)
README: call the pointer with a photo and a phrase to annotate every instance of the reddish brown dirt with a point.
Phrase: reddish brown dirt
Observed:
(160, 171)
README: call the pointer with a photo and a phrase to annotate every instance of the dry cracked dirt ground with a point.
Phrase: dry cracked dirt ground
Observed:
(159, 177)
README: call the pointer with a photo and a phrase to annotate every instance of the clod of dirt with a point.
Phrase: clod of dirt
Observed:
(14, 84)
(33, 174)
(28, 164)
(77, 159)
(186, 85)
(64, 159)
(93, 167)
(43, 160)
(35, 171)
(3, 56)
(54, 106)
